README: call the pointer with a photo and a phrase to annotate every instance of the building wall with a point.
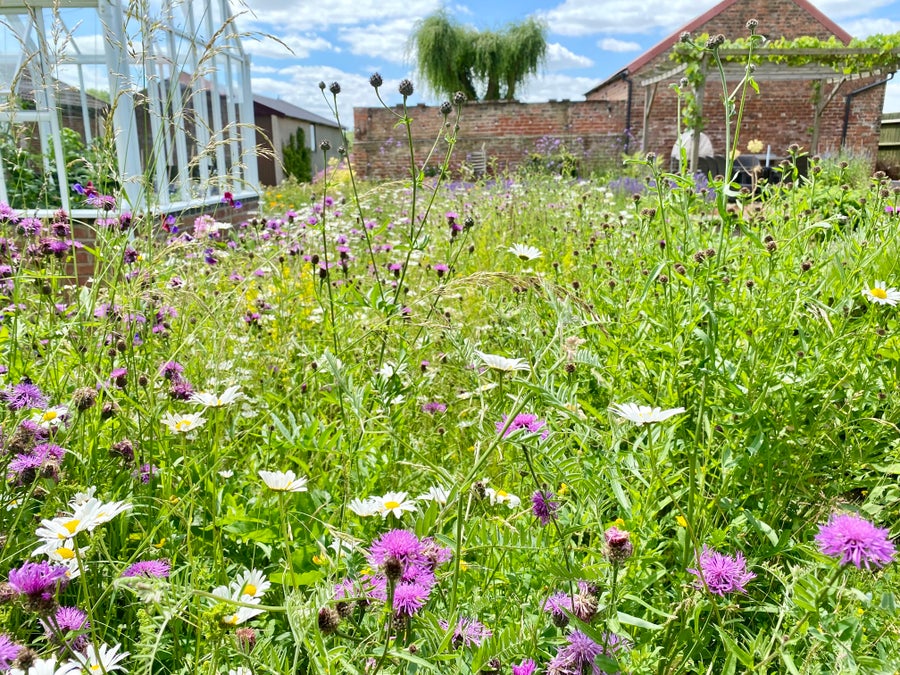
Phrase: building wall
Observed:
(781, 114)
(508, 131)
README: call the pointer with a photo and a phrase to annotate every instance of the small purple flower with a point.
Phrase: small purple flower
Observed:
(721, 573)
(581, 604)
(9, 650)
(525, 668)
(434, 407)
(119, 377)
(410, 598)
(855, 540)
(24, 395)
(158, 569)
(145, 472)
(531, 423)
(618, 545)
(441, 269)
(543, 507)
(130, 256)
(181, 390)
(68, 619)
(467, 632)
(401, 545)
(171, 370)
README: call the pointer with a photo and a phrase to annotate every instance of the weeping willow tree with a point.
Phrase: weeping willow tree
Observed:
(452, 57)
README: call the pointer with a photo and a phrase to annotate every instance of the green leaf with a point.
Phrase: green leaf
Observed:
(638, 622)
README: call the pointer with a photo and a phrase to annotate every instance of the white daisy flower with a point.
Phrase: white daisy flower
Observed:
(502, 363)
(502, 497)
(49, 667)
(525, 252)
(240, 616)
(181, 424)
(435, 494)
(51, 418)
(394, 503)
(643, 414)
(227, 397)
(365, 507)
(80, 498)
(101, 660)
(283, 481)
(226, 473)
(240, 670)
(880, 294)
(249, 586)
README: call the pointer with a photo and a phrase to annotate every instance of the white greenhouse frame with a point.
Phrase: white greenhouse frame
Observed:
(165, 63)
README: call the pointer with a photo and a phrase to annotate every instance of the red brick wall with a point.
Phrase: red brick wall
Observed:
(508, 130)
(781, 114)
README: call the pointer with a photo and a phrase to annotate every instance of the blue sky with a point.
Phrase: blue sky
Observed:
(589, 40)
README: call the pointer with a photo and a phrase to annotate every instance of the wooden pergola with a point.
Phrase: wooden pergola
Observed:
(820, 70)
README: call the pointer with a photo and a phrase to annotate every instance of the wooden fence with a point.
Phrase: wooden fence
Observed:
(889, 143)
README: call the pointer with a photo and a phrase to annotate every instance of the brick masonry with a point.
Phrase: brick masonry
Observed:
(781, 114)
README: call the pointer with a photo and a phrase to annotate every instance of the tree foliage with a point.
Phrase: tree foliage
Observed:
(297, 157)
(452, 57)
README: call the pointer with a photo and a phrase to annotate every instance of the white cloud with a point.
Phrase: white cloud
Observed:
(556, 86)
(560, 58)
(589, 17)
(301, 46)
(384, 40)
(304, 15)
(613, 45)
(862, 28)
(840, 9)
(892, 97)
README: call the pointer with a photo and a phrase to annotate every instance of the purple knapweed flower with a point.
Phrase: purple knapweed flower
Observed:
(409, 598)
(24, 395)
(158, 569)
(579, 655)
(434, 407)
(721, 573)
(68, 619)
(9, 650)
(527, 667)
(401, 545)
(581, 604)
(855, 540)
(531, 423)
(543, 507)
(38, 582)
(467, 632)
(618, 546)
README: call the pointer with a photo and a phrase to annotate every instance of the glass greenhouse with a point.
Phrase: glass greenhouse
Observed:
(148, 99)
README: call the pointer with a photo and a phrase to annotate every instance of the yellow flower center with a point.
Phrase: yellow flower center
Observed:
(250, 589)
(879, 293)
(230, 620)
(72, 525)
(181, 425)
(50, 415)
(502, 494)
(65, 553)
(390, 506)
(95, 668)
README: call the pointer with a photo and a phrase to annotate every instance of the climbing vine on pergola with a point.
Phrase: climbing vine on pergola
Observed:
(826, 63)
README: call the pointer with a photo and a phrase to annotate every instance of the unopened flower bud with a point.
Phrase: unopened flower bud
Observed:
(375, 80)
(329, 620)
(405, 88)
(459, 98)
(618, 545)
(446, 108)
(84, 398)
(334, 88)
(325, 145)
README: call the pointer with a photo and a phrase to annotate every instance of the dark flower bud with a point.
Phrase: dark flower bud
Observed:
(752, 25)
(342, 150)
(446, 108)
(124, 449)
(321, 85)
(246, 638)
(25, 659)
(344, 609)
(109, 409)
(715, 41)
(479, 490)
(560, 620)
(405, 88)
(325, 145)
(375, 80)
(329, 620)
(684, 37)
(84, 398)
(618, 545)
(683, 83)
(680, 268)
(469, 222)
(393, 569)
(334, 88)
(459, 98)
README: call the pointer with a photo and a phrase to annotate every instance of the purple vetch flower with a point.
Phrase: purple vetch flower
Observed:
(434, 407)
(579, 655)
(531, 423)
(543, 507)
(855, 540)
(9, 650)
(525, 668)
(467, 632)
(24, 395)
(721, 573)
(158, 569)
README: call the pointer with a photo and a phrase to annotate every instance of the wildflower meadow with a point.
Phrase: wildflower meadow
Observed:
(527, 424)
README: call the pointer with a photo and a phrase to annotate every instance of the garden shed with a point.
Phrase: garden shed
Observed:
(159, 141)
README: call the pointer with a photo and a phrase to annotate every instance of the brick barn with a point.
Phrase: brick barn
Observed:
(638, 100)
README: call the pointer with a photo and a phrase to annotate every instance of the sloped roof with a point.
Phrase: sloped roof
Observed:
(697, 22)
(285, 109)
